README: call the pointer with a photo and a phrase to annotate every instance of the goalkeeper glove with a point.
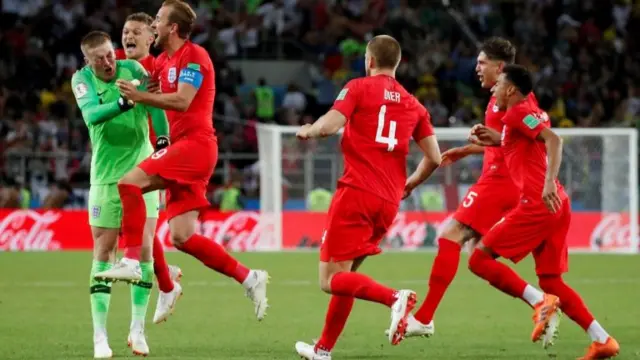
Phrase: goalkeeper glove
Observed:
(162, 142)
(125, 104)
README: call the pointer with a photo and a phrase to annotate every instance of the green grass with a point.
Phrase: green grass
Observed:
(44, 311)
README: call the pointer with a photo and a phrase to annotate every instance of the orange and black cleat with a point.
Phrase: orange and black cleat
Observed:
(598, 350)
(543, 312)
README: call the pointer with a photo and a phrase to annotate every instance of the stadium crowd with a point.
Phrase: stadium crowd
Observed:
(584, 53)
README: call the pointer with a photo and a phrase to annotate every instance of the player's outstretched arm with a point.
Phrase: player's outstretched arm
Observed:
(93, 112)
(457, 153)
(327, 125)
(429, 163)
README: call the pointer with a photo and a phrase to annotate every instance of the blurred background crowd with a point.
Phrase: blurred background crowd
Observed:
(584, 54)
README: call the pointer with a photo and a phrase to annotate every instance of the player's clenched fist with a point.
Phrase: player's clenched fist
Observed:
(304, 132)
(484, 136)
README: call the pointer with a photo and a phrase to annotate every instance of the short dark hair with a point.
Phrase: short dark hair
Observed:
(520, 77)
(93, 39)
(386, 51)
(501, 49)
(182, 15)
(141, 17)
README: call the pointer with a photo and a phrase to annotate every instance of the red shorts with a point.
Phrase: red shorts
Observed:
(531, 228)
(486, 202)
(186, 166)
(357, 222)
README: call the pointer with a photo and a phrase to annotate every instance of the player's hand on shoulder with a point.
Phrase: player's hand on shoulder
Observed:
(452, 155)
(303, 133)
(550, 196)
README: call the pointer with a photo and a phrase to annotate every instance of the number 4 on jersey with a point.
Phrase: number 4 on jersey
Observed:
(390, 140)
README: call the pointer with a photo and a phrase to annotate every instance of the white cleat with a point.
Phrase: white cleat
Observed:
(101, 349)
(307, 351)
(417, 329)
(167, 303)
(552, 330)
(400, 310)
(124, 270)
(138, 342)
(175, 272)
(258, 293)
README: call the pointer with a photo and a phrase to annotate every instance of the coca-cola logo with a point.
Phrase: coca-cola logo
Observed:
(613, 232)
(240, 231)
(28, 230)
(413, 233)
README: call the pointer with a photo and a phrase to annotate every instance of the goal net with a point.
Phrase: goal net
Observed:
(599, 171)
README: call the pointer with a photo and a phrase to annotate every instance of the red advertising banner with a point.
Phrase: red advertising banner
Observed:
(29, 230)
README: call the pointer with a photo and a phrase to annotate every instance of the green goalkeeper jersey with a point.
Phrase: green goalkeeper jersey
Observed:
(119, 139)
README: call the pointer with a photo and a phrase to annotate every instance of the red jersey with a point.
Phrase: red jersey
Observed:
(525, 156)
(493, 162)
(191, 64)
(382, 117)
(148, 63)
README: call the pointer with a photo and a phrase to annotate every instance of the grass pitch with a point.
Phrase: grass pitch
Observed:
(45, 313)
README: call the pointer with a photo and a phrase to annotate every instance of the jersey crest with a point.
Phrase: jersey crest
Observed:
(172, 75)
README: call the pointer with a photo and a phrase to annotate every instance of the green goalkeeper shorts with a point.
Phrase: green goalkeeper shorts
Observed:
(105, 208)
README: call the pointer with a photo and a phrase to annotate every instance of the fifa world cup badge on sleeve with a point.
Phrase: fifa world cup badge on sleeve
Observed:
(80, 90)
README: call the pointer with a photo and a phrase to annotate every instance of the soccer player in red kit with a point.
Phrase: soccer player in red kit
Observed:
(486, 202)
(379, 117)
(539, 224)
(137, 37)
(187, 81)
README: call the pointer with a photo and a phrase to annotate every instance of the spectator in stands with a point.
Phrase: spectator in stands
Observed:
(265, 101)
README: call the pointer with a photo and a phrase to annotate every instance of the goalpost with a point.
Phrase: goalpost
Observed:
(599, 171)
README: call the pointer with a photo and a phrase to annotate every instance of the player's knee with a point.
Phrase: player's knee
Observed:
(454, 232)
(325, 284)
(477, 259)
(135, 177)
(550, 283)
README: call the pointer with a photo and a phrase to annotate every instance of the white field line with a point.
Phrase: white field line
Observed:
(305, 283)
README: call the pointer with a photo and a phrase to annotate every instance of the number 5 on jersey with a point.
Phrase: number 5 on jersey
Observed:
(390, 140)
(468, 201)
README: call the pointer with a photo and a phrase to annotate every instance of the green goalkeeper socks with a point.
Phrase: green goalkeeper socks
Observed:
(100, 297)
(140, 294)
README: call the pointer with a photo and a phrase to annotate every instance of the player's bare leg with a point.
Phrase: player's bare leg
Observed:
(546, 306)
(105, 241)
(214, 256)
(141, 291)
(603, 346)
(443, 271)
(344, 284)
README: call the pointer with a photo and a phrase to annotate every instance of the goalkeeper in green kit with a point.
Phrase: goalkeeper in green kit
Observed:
(119, 133)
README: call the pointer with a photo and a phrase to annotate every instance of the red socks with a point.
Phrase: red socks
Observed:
(443, 271)
(134, 216)
(214, 256)
(570, 302)
(337, 315)
(497, 274)
(160, 267)
(362, 287)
